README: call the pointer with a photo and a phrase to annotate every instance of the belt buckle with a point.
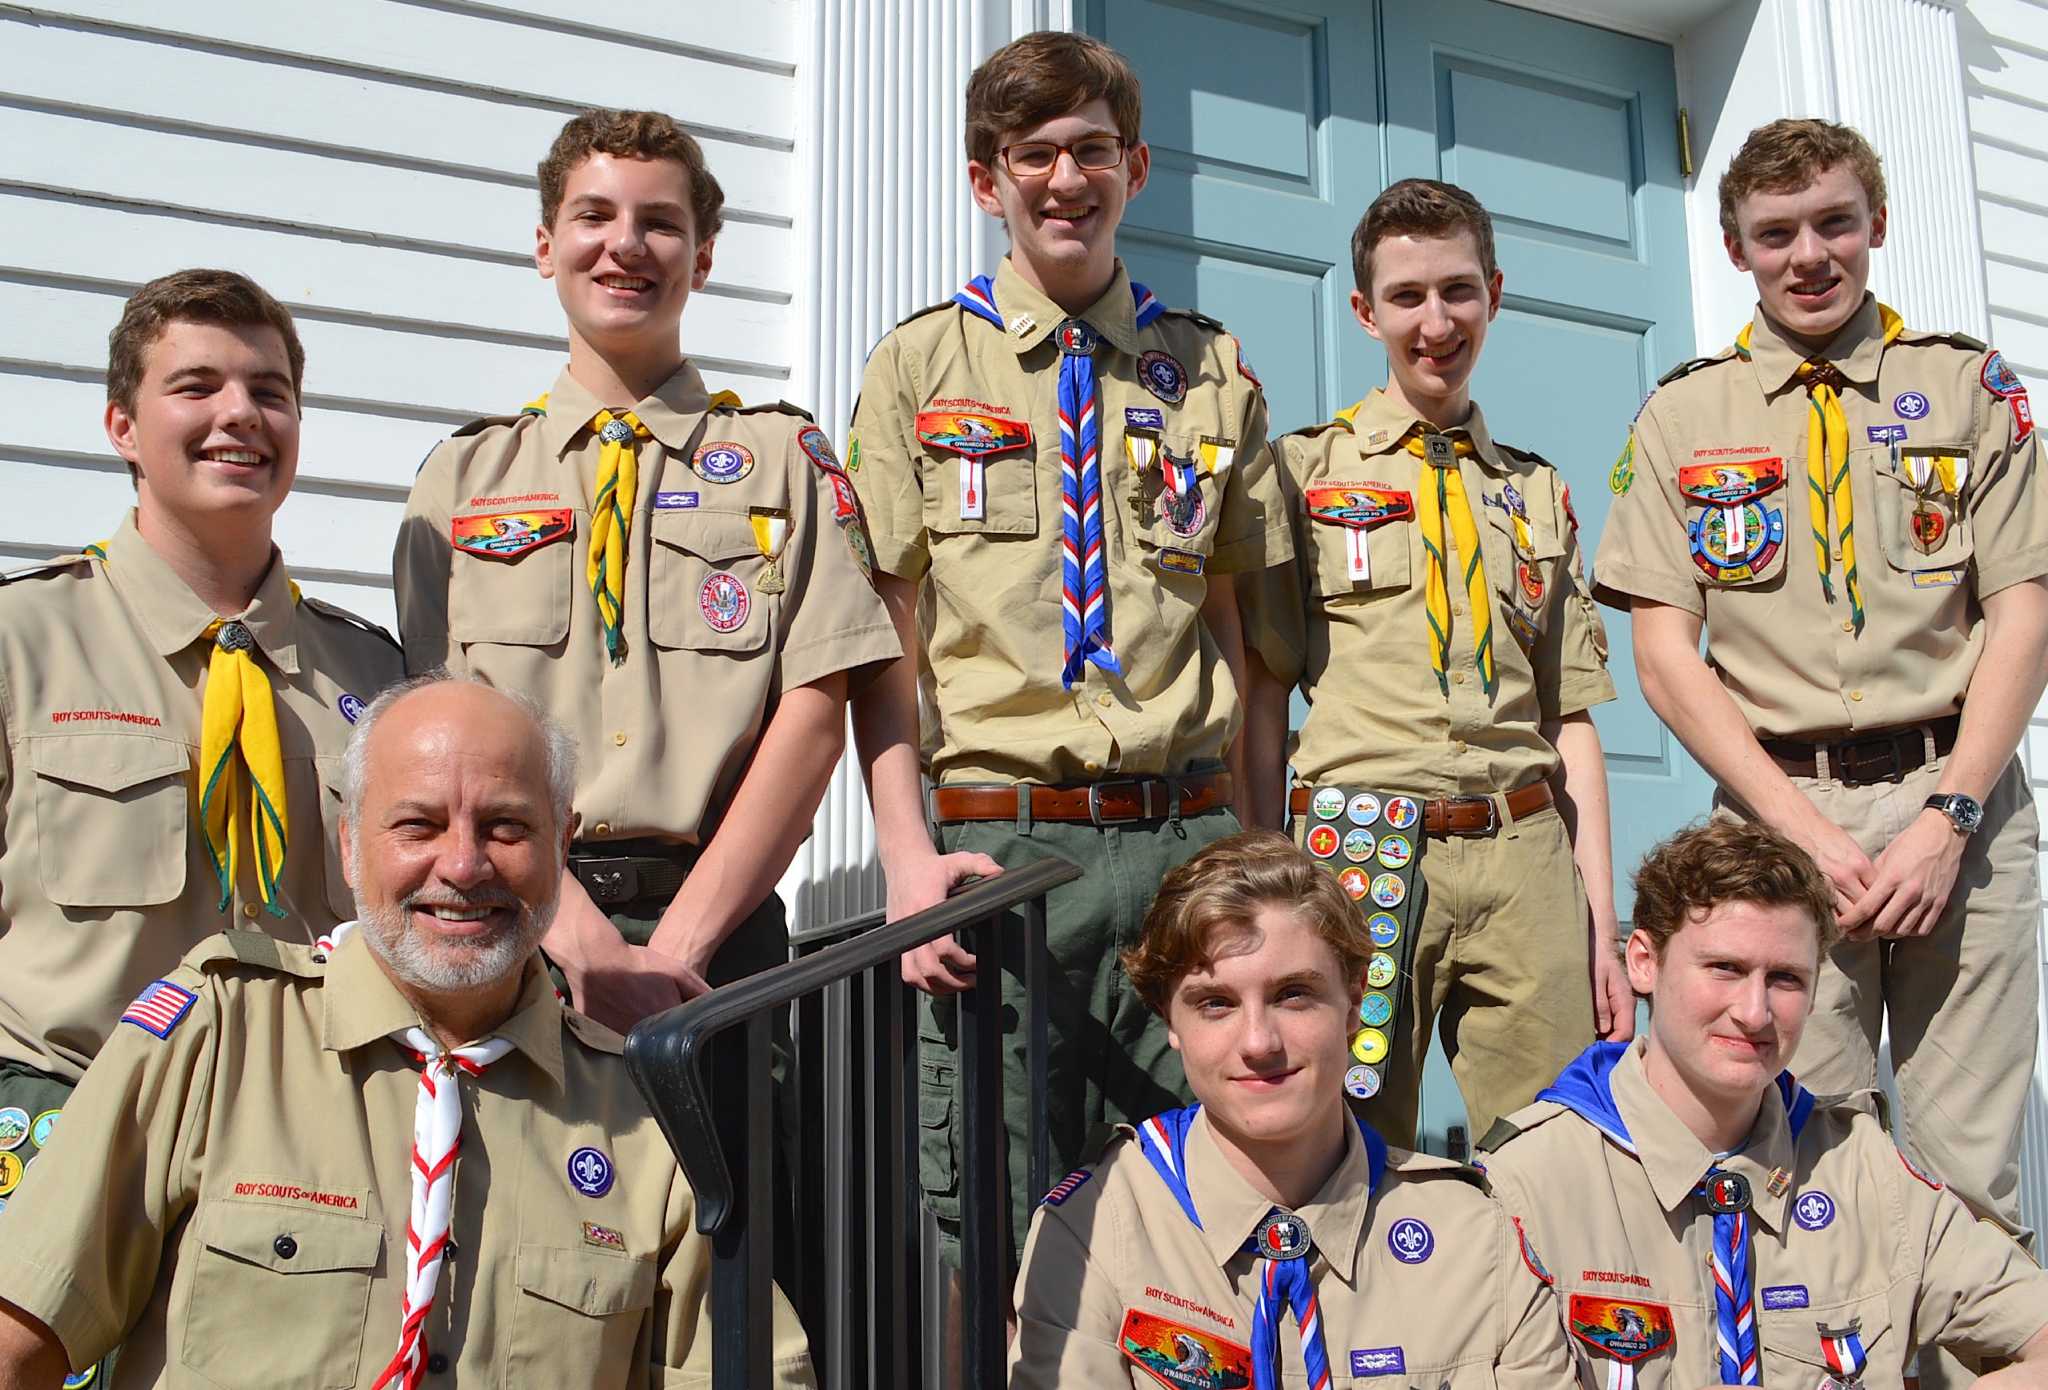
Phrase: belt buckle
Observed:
(1492, 825)
(614, 880)
(1860, 768)
(1095, 800)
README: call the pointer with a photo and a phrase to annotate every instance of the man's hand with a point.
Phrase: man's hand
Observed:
(1847, 867)
(1911, 881)
(943, 966)
(1614, 1003)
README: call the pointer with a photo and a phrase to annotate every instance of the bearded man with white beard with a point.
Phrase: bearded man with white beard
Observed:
(279, 1173)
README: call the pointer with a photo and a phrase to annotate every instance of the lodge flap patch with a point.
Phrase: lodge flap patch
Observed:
(1183, 1357)
(972, 435)
(1359, 505)
(508, 535)
(1729, 484)
(1625, 1329)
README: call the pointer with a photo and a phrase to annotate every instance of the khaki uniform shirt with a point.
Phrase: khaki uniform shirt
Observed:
(990, 615)
(1792, 660)
(1849, 1234)
(715, 631)
(1360, 647)
(1117, 1261)
(104, 875)
(229, 1202)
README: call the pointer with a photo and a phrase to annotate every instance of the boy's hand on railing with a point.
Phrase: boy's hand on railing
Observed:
(943, 966)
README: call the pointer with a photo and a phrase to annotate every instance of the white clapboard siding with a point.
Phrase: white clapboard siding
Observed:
(371, 162)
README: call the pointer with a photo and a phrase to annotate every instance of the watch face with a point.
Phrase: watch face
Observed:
(1965, 812)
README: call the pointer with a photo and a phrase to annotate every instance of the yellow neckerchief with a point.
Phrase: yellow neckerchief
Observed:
(241, 760)
(1827, 464)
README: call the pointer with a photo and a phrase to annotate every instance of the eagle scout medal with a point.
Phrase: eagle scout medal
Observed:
(722, 462)
(1281, 1236)
(1327, 803)
(1363, 809)
(1182, 1357)
(972, 435)
(508, 535)
(1164, 376)
(1358, 845)
(771, 533)
(1322, 841)
(1842, 1349)
(1361, 1082)
(724, 601)
(1180, 505)
(1355, 883)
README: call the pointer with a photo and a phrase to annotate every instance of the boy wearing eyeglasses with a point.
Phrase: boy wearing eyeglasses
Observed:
(1060, 476)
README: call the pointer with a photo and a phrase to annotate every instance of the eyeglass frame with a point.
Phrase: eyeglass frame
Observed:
(1123, 152)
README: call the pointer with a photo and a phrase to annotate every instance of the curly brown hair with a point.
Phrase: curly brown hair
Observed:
(1420, 207)
(1044, 75)
(1222, 888)
(632, 135)
(223, 297)
(1787, 155)
(1723, 861)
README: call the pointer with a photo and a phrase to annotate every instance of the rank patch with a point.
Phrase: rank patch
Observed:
(1066, 1187)
(1164, 376)
(972, 436)
(160, 1007)
(1358, 505)
(1624, 1330)
(1183, 1357)
(508, 535)
(724, 601)
(722, 462)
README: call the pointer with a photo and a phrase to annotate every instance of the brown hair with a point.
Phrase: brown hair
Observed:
(1724, 861)
(632, 135)
(1222, 888)
(1041, 76)
(1785, 156)
(1420, 207)
(223, 297)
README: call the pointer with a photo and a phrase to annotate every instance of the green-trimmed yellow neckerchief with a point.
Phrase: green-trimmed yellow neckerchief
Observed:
(241, 760)
(1827, 464)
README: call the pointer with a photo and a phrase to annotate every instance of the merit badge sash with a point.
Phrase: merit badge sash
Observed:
(1183, 1357)
(508, 535)
(1358, 508)
(1625, 1331)
(974, 437)
(1373, 842)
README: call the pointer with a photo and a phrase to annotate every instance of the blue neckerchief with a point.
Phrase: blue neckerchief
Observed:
(1163, 1139)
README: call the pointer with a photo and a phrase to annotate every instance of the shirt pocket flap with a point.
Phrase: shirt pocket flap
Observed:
(288, 1240)
(106, 763)
(713, 536)
(1522, 511)
(1792, 1326)
(586, 1281)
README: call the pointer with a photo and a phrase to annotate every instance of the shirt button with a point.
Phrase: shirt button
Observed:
(1855, 694)
(1091, 766)
(249, 911)
(1105, 699)
(285, 1247)
(1457, 677)
(437, 1364)
(1848, 624)
(619, 738)
(601, 829)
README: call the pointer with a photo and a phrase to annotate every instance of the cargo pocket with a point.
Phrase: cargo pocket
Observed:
(579, 1308)
(112, 816)
(1923, 527)
(938, 1168)
(261, 1267)
(704, 584)
(1735, 520)
(520, 598)
(1008, 500)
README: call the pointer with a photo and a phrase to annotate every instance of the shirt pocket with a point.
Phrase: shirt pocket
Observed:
(1736, 520)
(1522, 555)
(112, 813)
(259, 1269)
(580, 1308)
(1180, 480)
(1923, 527)
(1358, 539)
(1390, 1368)
(981, 496)
(519, 597)
(1794, 1353)
(704, 584)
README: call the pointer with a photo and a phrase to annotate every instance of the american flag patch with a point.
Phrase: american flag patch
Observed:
(1066, 1187)
(160, 1008)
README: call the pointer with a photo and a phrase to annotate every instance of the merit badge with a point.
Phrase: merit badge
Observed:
(1411, 1241)
(723, 462)
(508, 535)
(1328, 802)
(1385, 930)
(11, 1169)
(46, 1124)
(1282, 1236)
(724, 601)
(1363, 809)
(1369, 1045)
(1375, 1010)
(1322, 841)
(1065, 1188)
(1244, 369)
(1180, 561)
(1781, 1296)
(1182, 1357)
(1813, 1209)
(1361, 1082)
(1388, 890)
(1396, 851)
(1910, 405)
(14, 1126)
(1164, 376)
(603, 1237)
(1380, 970)
(1354, 883)
(1726, 484)
(1624, 1330)
(1144, 417)
(675, 501)
(856, 533)
(1358, 845)
(817, 447)
(1402, 812)
(1717, 541)
(1077, 339)
(160, 1007)
(590, 1172)
(1727, 1192)
(975, 436)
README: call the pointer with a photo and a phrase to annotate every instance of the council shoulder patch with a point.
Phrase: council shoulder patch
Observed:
(1623, 474)
(160, 1007)
(1625, 1329)
(2002, 381)
(1916, 1172)
(1183, 1357)
(817, 447)
(508, 535)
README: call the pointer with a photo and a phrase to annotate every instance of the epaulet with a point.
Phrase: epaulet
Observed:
(484, 422)
(1726, 354)
(1410, 1163)
(946, 303)
(1508, 1127)
(53, 565)
(257, 949)
(342, 615)
(776, 407)
(1203, 319)
(591, 1033)
(1101, 1138)
(1526, 455)
(1959, 340)
(1867, 1101)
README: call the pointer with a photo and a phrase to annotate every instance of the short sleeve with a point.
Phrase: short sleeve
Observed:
(1068, 1312)
(420, 566)
(682, 1309)
(1643, 552)
(1571, 656)
(882, 459)
(1535, 1353)
(835, 619)
(1979, 1292)
(1254, 532)
(2008, 515)
(1273, 600)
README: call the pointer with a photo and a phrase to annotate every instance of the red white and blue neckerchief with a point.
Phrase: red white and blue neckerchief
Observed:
(1084, 569)
(1284, 1285)
(1842, 1349)
(1585, 1087)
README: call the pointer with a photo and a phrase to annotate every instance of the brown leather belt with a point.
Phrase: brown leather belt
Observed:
(1857, 760)
(1459, 815)
(1098, 803)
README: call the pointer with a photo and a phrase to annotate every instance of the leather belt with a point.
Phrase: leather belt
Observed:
(1856, 760)
(1459, 815)
(1109, 802)
(614, 879)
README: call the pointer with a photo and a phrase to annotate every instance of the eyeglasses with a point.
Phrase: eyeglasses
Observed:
(1034, 159)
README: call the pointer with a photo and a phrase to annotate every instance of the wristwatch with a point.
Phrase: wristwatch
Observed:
(1963, 812)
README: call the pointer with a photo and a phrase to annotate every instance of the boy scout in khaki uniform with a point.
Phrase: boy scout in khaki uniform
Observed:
(171, 707)
(1059, 475)
(1851, 508)
(1449, 652)
(260, 1183)
(1711, 1221)
(1263, 1237)
(680, 578)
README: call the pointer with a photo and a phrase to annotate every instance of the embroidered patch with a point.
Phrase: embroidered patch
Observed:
(1910, 405)
(1813, 1209)
(603, 1237)
(591, 1171)
(722, 462)
(1358, 505)
(46, 1124)
(1886, 434)
(350, 706)
(817, 447)
(1531, 580)
(676, 501)
(298, 1194)
(1164, 376)
(1710, 535)
(2002, 381)
(1180, 1356)
(1623, 475)
(1916, 1172)
(1569, 514)
(1180, 561)
(845, 501)
(724, 601)
(1626, 1331)
(1529, 1254)
(1065, 1188)
(1244, 369)
(1379, 1361)
(14, 1124)
(1779, 1296)
(1183, 512)
(1936, 579)
(160, 1007)
(1727, 484)
(1144, 417)
(972, 436)
(508, 535)
(11, 1170)
(1411, 1240)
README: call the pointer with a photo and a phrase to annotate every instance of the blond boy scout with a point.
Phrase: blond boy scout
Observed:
(1649, 1174)
(173, 708)
(1065, 587)
(1850, 507)
(1462, 754)
(241, 1190)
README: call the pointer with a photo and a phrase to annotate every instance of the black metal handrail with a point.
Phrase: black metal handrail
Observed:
(667, 1056)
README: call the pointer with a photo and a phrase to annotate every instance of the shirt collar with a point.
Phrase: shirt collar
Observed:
(1674, 1159)
(1380, 424)
(1231, 1210)
(360, 1005)
(670, 414)
(1856, 349)
(1029, 316)
(174, 617)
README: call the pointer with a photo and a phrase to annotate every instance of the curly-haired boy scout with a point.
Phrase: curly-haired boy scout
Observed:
(1851, 509)
(1060, 475)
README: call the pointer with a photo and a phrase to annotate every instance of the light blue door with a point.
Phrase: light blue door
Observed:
(1273, 125)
